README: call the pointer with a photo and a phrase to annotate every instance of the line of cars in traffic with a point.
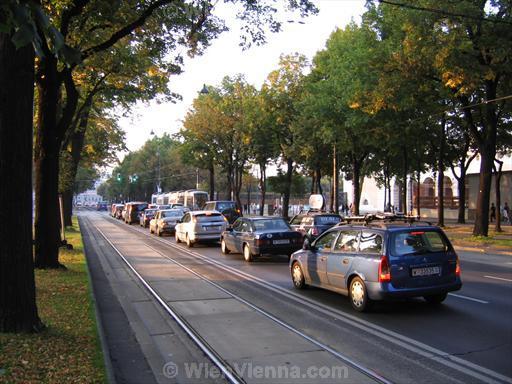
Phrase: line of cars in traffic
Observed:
(368, 259)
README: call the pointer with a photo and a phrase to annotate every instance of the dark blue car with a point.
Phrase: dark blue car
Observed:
(253, 236)
(379, 262)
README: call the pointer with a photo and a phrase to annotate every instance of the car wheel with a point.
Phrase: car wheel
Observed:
(435, 299)
(177, 238)
(248, 256)
(223, 247)
(297, 276)
(150, 230)
(189, 242)
(358, 295)
(158, 232)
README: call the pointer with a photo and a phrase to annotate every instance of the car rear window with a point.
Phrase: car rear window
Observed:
(140, 207)
(171, 213)
(226, 205)
(327, 220)
(417, 242)
(205, 218)
(271, 224)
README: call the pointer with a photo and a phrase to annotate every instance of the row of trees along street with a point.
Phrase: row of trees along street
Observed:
(85, 57)
(410, 89)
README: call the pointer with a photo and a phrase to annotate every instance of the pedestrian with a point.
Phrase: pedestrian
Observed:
(493, 212)
(506, 213)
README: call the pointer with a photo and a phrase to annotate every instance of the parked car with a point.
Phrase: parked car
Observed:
(102, 206)
(226, 207)
(313, 223)
(253, 236)
(379, 261)
(133, 211)
(200, 226)
(117, 211)
(146, 216)
(165, 221)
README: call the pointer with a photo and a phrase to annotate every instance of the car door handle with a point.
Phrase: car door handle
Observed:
(345, 261)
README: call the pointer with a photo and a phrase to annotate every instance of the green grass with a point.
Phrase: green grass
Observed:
(463, 236)
(68, 350)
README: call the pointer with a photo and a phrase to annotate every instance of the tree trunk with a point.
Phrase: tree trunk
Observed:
(418, 193)
(262, 185)
(46, 167)
(288, 187)
(497, 190)
(67, 202)
(335, 181)
(404, 183)
(77, 145)
(486, 140)
(18, 310)
(356, 189)
(440, 176)
(211, 172)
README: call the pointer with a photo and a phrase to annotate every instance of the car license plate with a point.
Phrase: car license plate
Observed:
(286, 241)
(211, 228)
(427, 271)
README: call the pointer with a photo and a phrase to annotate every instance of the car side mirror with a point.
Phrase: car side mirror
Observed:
(307, 245)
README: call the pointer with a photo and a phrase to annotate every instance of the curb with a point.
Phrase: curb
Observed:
(110, 379)
(484, 251)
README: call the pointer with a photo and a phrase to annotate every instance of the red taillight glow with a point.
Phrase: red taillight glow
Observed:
(417, 233)
(457, 268)
(384, 271)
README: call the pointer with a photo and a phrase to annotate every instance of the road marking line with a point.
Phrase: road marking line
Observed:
(499, 278)
(469, 298)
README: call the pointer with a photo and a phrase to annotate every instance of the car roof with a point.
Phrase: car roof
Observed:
(208, 212)
(255, 218)
(220, 201)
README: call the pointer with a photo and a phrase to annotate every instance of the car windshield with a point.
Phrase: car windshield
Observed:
(417, 242)
(172, 213)
(271, 224)
(327, 219)
(204, 218)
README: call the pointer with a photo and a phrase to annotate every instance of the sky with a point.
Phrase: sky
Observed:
(224, 57)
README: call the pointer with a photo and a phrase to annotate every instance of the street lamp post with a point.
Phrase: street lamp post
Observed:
(158, 189)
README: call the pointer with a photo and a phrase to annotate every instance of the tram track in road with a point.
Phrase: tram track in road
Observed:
(221, 363)
(475, 371)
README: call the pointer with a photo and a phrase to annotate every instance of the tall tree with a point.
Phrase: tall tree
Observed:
(93, 28)
(18, 310)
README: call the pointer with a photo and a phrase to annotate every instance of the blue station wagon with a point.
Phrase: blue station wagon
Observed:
(378, 262)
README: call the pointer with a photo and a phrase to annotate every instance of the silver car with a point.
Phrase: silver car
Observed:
(165, 221)
(200, 226)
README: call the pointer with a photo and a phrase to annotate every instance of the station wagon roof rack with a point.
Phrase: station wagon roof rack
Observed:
(383, 218)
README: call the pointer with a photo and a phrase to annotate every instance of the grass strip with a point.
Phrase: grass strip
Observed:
(68, 350)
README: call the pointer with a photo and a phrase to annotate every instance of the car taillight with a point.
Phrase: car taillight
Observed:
(384, 271)
(262, 242)
(457, 267)
(194, 219)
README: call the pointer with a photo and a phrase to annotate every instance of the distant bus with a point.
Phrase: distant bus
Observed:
(192, 199)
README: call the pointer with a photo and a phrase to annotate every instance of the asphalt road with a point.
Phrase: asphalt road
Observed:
(467, 339)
